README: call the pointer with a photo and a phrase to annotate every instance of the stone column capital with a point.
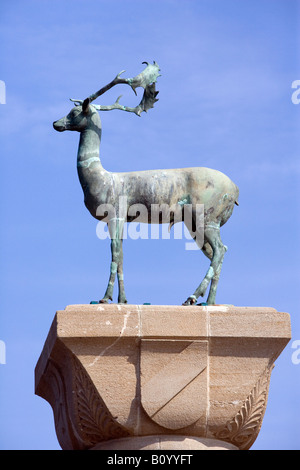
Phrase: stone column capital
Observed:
(143, 376)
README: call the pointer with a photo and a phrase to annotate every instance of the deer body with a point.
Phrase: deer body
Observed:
(174, 188)
(149, 187)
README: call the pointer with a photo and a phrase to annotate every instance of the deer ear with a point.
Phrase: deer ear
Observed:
(85, 105)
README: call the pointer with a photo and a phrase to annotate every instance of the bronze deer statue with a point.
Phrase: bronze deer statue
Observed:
(176, 188)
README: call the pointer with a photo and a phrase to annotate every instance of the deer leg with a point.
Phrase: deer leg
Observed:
(122, 296)
(207, 250)
(219, 250)
(204, 246)
(211, 300)
(212, 238)
(115, 227)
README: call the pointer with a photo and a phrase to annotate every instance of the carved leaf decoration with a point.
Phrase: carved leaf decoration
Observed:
(95, 421)
(244, 427)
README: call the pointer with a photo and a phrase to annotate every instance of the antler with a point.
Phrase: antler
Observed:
(148, 100)
(146, 79)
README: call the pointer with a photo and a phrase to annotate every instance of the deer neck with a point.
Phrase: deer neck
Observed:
(88, 150)
(92, 176)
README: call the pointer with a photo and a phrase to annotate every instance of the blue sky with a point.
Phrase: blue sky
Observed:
(225, 102)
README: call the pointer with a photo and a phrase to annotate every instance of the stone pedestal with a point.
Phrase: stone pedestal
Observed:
(160, 377)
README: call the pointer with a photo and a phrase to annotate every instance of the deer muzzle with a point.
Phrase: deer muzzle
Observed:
(60, 125)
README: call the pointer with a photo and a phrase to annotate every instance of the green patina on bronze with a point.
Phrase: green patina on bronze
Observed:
(176, 188)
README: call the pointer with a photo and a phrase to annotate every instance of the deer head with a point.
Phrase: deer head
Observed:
(78, 119)
(83, 112)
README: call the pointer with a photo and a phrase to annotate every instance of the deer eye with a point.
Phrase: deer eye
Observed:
(74, 113)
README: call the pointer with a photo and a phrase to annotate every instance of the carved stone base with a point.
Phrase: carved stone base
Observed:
(160, 377)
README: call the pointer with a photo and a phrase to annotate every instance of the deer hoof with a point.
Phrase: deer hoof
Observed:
(190, 300)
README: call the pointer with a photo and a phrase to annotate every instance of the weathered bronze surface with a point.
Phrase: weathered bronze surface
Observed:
(178, 189)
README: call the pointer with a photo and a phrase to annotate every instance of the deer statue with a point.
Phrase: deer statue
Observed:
(175, 188)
